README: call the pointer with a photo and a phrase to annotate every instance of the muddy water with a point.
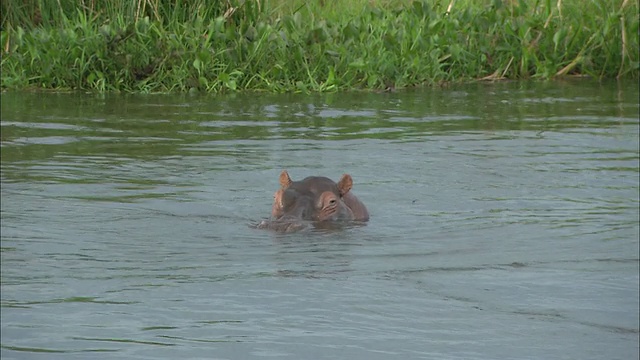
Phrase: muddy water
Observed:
(504, 224)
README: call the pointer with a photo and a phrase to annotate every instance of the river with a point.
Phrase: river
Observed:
(504, 225)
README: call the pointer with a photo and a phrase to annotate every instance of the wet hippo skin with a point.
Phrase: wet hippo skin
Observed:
(316, 199)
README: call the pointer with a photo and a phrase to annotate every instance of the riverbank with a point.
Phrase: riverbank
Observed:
(278, 46)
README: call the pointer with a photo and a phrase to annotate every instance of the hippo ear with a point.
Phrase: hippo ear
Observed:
(285, 180)
(345, 184)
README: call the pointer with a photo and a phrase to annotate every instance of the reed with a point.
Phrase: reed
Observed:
(310, 46)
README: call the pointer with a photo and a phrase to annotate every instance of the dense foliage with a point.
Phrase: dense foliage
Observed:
(215, 46)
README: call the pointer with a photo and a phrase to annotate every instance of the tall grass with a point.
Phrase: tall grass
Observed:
(321, 45)
(52, 13)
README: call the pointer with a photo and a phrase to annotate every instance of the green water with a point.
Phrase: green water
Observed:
(504, 224)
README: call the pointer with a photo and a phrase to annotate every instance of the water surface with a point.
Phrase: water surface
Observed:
(504, 224)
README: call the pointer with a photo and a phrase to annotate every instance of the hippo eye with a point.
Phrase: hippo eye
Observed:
(332, 202)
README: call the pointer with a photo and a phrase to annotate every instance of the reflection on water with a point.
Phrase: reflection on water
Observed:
(504, 224)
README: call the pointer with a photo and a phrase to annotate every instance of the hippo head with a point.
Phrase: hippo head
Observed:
(315, 198)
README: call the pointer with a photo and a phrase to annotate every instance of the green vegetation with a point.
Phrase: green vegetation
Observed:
(318, 45)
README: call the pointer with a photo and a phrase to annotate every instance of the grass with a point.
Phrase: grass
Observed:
(310, 46)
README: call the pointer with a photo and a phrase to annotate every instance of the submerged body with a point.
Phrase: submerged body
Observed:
(315, 199)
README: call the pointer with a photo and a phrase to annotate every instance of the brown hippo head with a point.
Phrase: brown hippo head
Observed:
(315, 198)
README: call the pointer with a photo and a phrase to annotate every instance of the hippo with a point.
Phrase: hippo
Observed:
(315, 199)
